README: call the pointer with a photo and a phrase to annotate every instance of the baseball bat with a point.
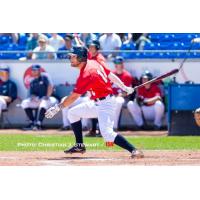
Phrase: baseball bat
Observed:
(174, 71)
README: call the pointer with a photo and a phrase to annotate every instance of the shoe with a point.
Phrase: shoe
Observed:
(85, 128)
(77, 148)
(91, 134)
(156, 128)
(137, 154)
(64, 128)
(37, 127)
(29, 127)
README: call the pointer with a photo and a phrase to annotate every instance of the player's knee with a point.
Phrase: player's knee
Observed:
(25, 104)
(44, 104)
(120, 100)
(133, 106)
(72, 116)
(159, 106)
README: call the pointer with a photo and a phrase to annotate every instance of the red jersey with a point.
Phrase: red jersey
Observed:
(126, 78)
(93, 77)
(99, 58)
(153, 91)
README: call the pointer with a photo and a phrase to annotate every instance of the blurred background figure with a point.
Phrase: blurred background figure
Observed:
(32, 43)
(121, 96)
(43, 51)
(110, 42)
(149, 105)
(13, 36)
(94, 54)
(40, 99)
(86, 37)
(8, 89)
(68, 42)
(56, 41)
(141, 41)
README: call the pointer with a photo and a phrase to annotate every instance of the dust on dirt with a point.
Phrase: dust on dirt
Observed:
(100, 158)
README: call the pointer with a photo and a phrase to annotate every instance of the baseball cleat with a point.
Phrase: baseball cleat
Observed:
(77, 148)
(137, 154)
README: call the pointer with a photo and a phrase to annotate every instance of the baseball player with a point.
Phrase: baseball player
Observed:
(149, 104)
(40, 98)
(120, 95)
(94, 54)
(95, 78)
(8, 89)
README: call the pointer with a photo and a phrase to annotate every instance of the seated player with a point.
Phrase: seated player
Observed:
(149, 105)
(94, 54)
(120, 95)
(40, 98)
(8, 89)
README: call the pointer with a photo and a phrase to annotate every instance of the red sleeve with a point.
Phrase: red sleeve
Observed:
(83, 84)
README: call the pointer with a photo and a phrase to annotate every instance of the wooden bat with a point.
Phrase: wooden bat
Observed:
(174, 71)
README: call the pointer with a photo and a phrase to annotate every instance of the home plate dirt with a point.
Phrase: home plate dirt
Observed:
(92, 158)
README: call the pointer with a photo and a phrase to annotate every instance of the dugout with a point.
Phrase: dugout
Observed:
(183, 100)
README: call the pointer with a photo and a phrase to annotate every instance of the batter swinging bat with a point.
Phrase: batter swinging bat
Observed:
(158, 78)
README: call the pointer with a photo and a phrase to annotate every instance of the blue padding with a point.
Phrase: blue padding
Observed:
(184, 96)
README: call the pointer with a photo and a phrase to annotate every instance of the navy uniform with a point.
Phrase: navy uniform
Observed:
(8, 89)
(39, 99)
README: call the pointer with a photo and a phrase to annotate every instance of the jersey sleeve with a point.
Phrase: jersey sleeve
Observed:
(83, 84)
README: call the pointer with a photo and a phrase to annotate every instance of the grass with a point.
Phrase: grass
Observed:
(19, 142)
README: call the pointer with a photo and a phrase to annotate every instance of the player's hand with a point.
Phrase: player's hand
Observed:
(51, 112)
(129, 90)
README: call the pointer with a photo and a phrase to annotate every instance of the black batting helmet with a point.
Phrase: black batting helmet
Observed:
(95, 43)
(147, 74)
(81, 53)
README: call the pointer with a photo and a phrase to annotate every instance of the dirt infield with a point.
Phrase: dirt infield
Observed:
(91, 158)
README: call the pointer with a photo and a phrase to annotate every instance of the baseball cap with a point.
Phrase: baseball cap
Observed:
(68, 37)
(118, 60)
(35, 67)
(5, 68)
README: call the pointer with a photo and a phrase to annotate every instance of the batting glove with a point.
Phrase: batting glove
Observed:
(128, 90)
(51, 112)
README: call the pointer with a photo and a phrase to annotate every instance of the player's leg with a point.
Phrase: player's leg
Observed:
(106, 112)
(119, 103)
(28, 105)
(159, 112)
(75, 114)
(43, 106)
(136, 113)
(3, 105)
(66, 123)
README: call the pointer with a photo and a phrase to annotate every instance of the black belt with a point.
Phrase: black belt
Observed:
(102, 98)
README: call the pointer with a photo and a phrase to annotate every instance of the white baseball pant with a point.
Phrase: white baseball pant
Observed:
(119, 103)
(65, 111)
(37, 103)
(154, 112)
(104, 110)
(3, 105)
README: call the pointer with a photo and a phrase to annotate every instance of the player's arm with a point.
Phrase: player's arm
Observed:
(113, 78)
(66, 101)
(152, 100)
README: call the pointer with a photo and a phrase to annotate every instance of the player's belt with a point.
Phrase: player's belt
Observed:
(102, 98)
